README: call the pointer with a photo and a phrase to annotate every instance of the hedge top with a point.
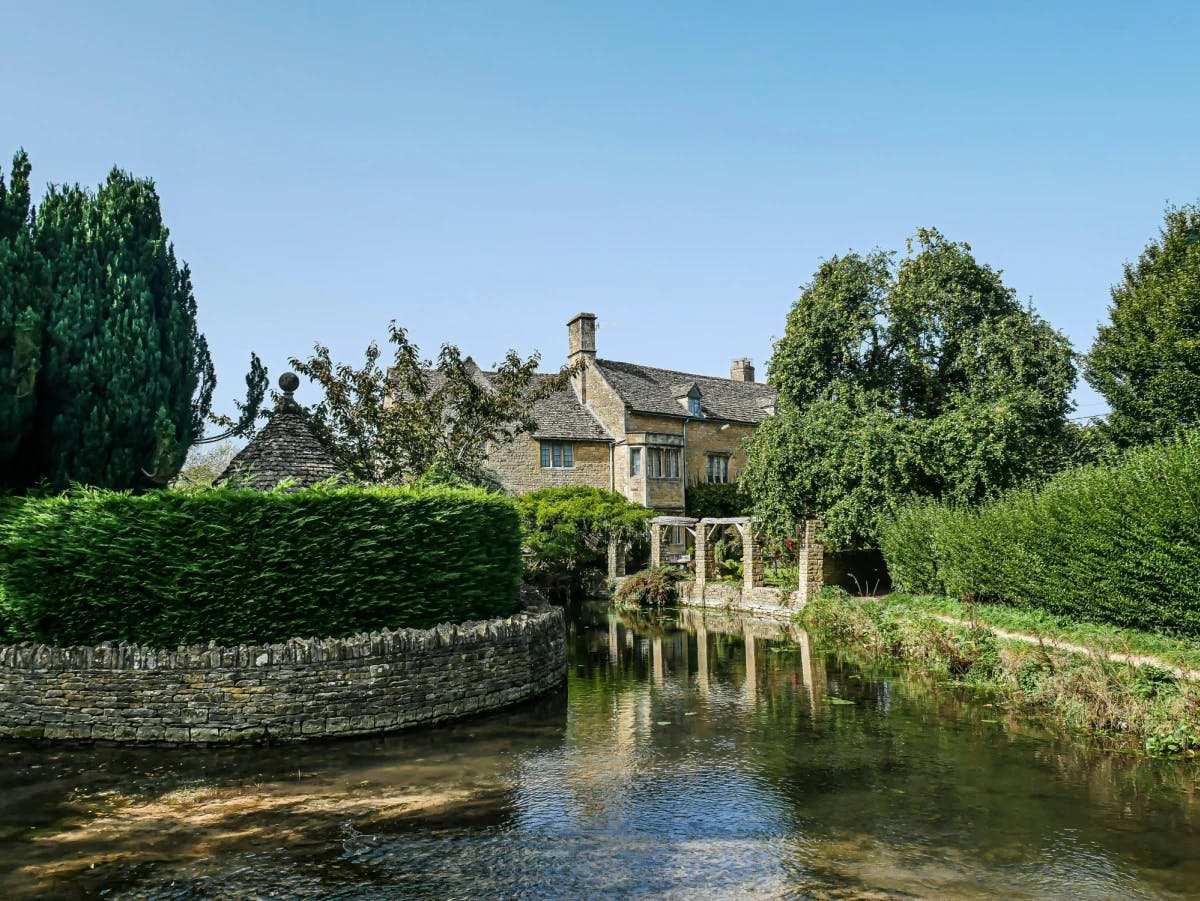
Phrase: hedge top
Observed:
(235, 566)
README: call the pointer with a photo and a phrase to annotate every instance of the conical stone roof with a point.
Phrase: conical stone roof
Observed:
(286, 448)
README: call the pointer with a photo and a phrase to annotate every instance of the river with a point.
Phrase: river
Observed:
(689, 756)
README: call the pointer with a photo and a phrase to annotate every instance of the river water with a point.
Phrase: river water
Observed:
(689, 756)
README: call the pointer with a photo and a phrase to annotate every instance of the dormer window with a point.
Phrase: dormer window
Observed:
(689, 398)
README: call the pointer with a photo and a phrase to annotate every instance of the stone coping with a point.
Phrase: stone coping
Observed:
(110, 656)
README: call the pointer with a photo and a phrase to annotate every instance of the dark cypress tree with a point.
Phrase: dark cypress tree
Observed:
(127, 378)
(24, 294)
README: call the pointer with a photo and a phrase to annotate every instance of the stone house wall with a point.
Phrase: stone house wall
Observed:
(519, 468)
(706, 436)
(303, 689)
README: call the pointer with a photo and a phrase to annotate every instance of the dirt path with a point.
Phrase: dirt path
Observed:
(1131, 659)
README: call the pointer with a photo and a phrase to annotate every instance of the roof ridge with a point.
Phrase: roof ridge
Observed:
(690, 375)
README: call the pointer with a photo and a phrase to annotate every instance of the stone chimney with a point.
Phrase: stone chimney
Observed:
(742, 370)
(582, 333)
(581, 350)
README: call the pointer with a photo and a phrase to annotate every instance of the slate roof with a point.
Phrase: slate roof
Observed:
(647, 389)
(561, 415)
(286, 448)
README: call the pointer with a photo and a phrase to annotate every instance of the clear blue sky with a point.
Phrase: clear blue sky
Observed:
(481, 172)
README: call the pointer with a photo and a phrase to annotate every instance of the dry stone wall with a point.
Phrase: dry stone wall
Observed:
(283, 692)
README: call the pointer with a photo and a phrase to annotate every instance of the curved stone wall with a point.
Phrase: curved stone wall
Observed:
(282, 692)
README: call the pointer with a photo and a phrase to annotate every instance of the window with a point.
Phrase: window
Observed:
(694, 407)
(718, 469)
(558, 455)
(676, 538)
(635, 461)
(662, 462)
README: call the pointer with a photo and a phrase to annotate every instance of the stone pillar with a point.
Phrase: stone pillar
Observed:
(616, 558)
(655, 545)
(752, 561)
(705, 569)
(702, 657)
(812, 561)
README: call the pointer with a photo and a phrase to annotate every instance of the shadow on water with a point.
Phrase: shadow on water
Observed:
(689, 754)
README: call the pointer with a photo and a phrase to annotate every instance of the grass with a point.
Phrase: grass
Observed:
(1136, 707)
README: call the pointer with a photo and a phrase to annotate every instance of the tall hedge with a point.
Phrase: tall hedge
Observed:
(1117, 543)
(170, 568)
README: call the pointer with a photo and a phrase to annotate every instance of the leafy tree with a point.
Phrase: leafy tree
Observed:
(718, 500)
(204, 464)
(413, 420)
(24, 296)
(566, 532)
(922, 378)
(1146, 361)
(105, 378)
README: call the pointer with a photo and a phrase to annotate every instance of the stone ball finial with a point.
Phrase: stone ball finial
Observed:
(289, 382)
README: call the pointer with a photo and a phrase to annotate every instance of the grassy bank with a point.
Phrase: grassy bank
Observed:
(1138, 706)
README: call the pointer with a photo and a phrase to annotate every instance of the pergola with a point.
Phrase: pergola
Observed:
(811, 562)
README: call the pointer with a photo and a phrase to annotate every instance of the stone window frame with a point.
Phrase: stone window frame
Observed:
(718, 466)
(664, 463)
(556, 454)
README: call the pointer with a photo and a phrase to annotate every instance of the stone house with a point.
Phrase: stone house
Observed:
(641, 431)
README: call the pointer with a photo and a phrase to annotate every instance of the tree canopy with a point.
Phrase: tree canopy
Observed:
(105, 378)
(1146, 360)
(917, 377)
(416, 420)
(24, 299)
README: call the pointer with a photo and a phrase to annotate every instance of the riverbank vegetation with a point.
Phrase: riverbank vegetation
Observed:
(1146, 706)
(1117, 543)
(654, 587)
(168, 568)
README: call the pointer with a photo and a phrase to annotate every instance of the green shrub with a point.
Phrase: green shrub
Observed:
(170, 568)
(566, 532)
(906, 540)
(656, 586)
(717, 500)
(1117, 543)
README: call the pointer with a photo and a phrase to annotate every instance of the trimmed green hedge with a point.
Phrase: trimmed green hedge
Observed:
(1117, 543)
(171, 568)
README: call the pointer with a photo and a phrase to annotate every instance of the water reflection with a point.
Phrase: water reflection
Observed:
(692, 754)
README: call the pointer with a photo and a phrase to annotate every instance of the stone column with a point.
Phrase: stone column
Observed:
(812, 561)
(702, 657)
(616, 558)
(752, 561)
(704, 557)
(655, 545)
